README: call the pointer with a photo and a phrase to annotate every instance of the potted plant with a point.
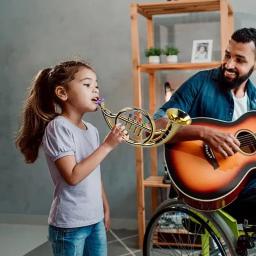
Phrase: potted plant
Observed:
(171, 54)
(153, 55)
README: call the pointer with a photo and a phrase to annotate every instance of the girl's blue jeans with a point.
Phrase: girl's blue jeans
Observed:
(83, 241)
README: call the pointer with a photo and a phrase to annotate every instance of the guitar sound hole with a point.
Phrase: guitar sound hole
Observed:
(247, 142)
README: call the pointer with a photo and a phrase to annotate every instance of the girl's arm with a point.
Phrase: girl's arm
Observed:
(106, 209)
(73, 172)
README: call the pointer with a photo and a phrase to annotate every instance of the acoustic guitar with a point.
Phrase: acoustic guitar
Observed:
(205, 179)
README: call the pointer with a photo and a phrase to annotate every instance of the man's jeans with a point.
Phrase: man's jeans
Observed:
(83, 241)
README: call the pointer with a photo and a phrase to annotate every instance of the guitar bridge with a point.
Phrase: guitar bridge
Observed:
(210, 156)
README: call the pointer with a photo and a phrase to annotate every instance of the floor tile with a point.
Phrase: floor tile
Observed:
(139, 253)
(131, 243)
(116, 249)
(42, 250)
(122, 233)
(17, 240)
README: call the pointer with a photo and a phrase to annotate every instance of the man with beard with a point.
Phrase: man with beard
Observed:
(224, 93)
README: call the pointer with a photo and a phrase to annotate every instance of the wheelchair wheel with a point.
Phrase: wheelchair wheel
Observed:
(176, 229)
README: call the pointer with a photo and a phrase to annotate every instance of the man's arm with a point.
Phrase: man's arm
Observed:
(225, 143)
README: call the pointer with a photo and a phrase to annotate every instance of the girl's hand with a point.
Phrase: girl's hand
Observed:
(107, 221)
(117, 135)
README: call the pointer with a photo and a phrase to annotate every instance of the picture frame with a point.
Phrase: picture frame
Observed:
(201, 51)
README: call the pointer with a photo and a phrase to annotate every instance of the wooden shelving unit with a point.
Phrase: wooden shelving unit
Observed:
(155, 182)
(148, 11)
(149, 68)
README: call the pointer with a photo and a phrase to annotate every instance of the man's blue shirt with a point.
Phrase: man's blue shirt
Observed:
(203, 96)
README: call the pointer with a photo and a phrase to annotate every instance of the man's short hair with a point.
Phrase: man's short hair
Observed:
(245, 35)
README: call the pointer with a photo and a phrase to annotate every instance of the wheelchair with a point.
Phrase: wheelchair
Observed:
(178, 229)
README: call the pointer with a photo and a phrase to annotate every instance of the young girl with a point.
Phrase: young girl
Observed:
(79, 209)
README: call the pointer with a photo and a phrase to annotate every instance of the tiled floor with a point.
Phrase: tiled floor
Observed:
(123, 242)
(30, 240)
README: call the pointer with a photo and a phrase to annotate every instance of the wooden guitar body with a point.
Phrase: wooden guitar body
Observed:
(206, 179)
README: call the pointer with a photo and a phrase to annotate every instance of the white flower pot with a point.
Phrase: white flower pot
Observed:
(172, 58)
(154, 59)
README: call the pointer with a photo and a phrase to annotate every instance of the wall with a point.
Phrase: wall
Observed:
(37, 34)
(184, 28)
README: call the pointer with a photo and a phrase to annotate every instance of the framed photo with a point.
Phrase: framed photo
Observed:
(201, 51)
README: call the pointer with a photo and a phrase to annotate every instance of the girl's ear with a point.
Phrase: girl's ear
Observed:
(61, 93)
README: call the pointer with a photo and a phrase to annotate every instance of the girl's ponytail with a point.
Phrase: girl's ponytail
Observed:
(38, 111)
(39, 108)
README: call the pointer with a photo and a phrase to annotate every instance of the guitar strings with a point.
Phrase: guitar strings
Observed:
(247, 140)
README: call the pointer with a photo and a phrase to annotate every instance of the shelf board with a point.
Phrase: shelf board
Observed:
(149, 68)
(156, 182)
(180, 6)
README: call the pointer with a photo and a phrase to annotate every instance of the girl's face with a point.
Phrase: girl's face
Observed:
(83, 92)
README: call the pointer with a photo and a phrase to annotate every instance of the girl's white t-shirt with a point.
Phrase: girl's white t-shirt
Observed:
(79, 205)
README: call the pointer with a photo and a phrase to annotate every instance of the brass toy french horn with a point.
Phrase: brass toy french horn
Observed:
(141, 126)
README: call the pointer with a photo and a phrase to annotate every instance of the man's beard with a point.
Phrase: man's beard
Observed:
(235, 82)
